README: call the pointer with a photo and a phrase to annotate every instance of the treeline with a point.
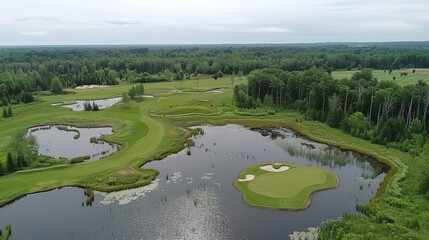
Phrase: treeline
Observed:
(380, 111)
(27, 70)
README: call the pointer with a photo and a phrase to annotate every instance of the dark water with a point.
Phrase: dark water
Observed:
(102, 103)
(194, 198)
(71, 142)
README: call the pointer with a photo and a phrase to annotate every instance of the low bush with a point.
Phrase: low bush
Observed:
(79, 159)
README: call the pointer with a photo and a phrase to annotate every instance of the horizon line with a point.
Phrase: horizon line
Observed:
(206, 44)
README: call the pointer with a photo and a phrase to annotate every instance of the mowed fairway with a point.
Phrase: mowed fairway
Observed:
(290, 189)
(411, 78)
(143, 138)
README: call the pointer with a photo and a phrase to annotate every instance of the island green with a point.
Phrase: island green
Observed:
(290, 188)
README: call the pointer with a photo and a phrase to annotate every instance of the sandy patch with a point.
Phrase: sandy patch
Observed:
(127, 196)
(57, 104)
(270, 168)
(217, 91)
(249, 177)
(90, 86)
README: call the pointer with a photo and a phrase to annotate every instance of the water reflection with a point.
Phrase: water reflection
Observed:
(101, 103)
(194, 197)
(323, 154)
(72, 142)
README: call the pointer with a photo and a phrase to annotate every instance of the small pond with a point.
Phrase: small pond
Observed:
(194, 197)
(71, 142)
(101, 103)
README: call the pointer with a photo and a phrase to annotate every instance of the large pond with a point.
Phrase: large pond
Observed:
(194, 198)
(71, 142)
(101, 103)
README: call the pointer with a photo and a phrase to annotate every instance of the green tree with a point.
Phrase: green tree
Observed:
(2, 169)
(9, 112)
(95, 107)
(56, 86)
(5, 115)
(168, 74)
(125, 98)
(87, 106)
(424, 183)
(132, 92)
(25, 147)
(10, 163)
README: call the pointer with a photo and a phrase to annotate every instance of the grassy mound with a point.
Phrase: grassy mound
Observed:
(290, 189)
(184, 110)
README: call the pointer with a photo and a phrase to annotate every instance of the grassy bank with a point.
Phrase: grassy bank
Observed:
(397, 209)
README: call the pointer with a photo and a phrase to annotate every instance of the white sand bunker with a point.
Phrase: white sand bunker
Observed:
(127, 196)
(270, 168)
(249, 177)
(90, 86)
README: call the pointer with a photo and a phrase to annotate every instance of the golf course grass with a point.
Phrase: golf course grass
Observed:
(289, 188)
(381, 75)
(145, 138)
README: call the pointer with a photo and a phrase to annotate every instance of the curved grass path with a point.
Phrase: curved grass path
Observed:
(289, 189)
(150, 139)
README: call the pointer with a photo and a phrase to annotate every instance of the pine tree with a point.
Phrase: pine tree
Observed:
(10, 164)
(2, 169)
(87, 106)
(5, 113)
(9, 112)
(95, 107)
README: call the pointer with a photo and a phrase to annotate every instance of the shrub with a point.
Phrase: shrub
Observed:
(424, 184)
(10, 163)
(413, 223)
(79, 159)
(2, 170)
(56, 86)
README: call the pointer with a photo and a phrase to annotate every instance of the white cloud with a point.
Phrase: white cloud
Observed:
(211, 21)
(269, 30)
(121, 21)
(35, 33)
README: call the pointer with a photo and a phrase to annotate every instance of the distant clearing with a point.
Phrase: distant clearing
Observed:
(410, 78)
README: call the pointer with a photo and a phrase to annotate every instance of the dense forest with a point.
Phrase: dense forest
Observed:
(25, 71)
(380, 111)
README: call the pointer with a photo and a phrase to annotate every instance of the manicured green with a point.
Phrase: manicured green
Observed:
(290, 189)
(381, 75)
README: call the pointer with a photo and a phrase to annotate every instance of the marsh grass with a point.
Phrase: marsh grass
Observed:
(7, 233)
(80, 159)
(89, 193)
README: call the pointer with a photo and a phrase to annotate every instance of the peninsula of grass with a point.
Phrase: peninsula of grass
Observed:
(282, 185)
(186, 110)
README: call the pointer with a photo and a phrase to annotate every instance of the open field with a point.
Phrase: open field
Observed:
(289, 189)
(411, 78)
(145, 138)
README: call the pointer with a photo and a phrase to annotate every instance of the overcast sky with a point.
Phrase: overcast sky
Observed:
(210, 21)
